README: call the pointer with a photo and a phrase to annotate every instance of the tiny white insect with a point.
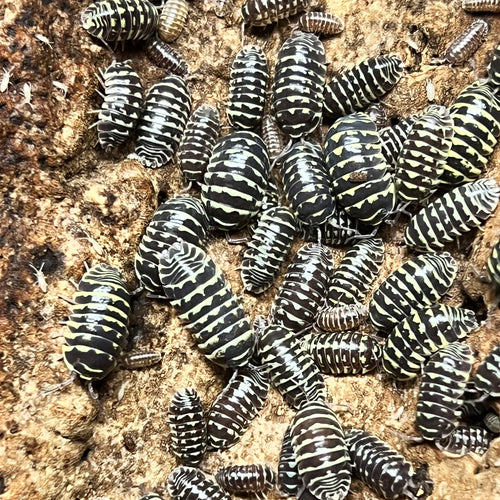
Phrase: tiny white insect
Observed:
(26, 93)
(61, 86)
(44, 39)
(40, 278)
(430, 89)
(4, 83)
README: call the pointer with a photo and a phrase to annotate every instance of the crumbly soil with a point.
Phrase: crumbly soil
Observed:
(66, 202)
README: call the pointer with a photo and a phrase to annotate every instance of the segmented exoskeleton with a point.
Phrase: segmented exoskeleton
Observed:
(421, 334)
(188, 429)
(236, 406)
(383, 469)
(198, 290)
(456, 212)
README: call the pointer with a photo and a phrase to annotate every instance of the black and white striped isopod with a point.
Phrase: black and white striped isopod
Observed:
(264, 12)
(346, 353)
(304, 288)
(340, 229)
(166, 112)
(164, 56)
(359, 175)
(198, 142)
(492, 6)
(306, 184)
(319, 443)
(341, 317)
(492, 422)
(181, 217)
(188, 483)
(252, 478)
(236, 406)
(422, 334)
(297, 108)
(383, 469)
(393, 138)
(172, 19)
(120, 20)
(487, 378)
(247, 88)
(121, 107)
(418, 283)
(476, 128)
(441, 392)
(98, 324)
(421, 161)
(272, 137)
(463, 47)
(203, 299)
(321, 23)
(288, 475)
(463, 440)
(456, 212)
(354, 89)
(188, 429)
(267, 250)
(494, 66)
(236, 180)
(356, 272)
(291, 369)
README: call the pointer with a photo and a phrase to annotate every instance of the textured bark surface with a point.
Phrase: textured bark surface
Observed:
(65, 202)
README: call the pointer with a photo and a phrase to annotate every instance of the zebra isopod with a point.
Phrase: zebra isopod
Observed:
(441, 392)
(264, 12)
(487, 378)
(188, 483)
(120, 20)
(418, 283)
(476, 127)
(424, 151)
(247, 88)
(252, 478)
(383, 469)
(341, 318)
(98, 323)
(236, 180)
(198, 142)
(181, 217)
(306, 183)
(291, 369)
(236, 406)
(204, 300)
(354, 89)
(456, 212)
(422, 334)
(165, 114)
(298, 108)
(267, 250)
(121, 108)
(322, 455)
(320, 23)
(303, 288)
(345, 353)
(355, 274)
(188, 429)
(463, 440)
